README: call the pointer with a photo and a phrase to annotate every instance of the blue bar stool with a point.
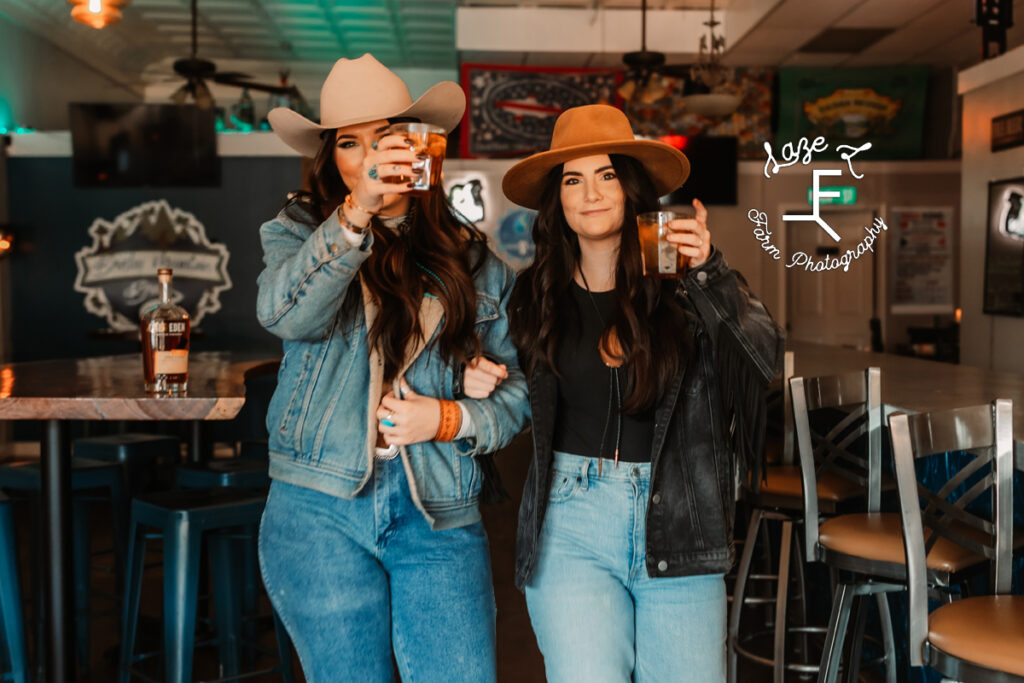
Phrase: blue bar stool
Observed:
(146, 458)
(85, 475)
(182, 517)
(12, 627)
(239, 473)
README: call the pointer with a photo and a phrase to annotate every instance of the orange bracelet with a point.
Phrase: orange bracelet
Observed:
(451, 421)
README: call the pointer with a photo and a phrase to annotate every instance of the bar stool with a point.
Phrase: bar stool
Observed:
(977, 638)
(781, 498)
(145, 458)
(85, 475)
(830, 462)
(244, 473)
(12, 627)
(183, 517)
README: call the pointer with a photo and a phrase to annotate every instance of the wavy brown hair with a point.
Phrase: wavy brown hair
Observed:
(646, 319)
(432, 253)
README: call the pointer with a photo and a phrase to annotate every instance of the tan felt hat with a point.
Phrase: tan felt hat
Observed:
(363, 90)
(587, 130)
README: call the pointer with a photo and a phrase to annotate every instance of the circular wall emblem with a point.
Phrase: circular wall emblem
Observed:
(117, 272)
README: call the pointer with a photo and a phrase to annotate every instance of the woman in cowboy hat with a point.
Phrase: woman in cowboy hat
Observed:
(371, 543)
(625, 527)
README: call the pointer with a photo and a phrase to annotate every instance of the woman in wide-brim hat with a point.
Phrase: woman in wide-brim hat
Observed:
(625, 527)
(371, 544)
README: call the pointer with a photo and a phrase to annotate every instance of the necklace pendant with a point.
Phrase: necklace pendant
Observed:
(616, 458)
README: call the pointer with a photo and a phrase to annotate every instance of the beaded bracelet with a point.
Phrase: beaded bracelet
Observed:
(451, 421)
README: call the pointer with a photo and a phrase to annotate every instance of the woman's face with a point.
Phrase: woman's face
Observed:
(592, 198)
(351, 145)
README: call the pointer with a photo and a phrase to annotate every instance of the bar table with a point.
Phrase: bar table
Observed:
(103, 388)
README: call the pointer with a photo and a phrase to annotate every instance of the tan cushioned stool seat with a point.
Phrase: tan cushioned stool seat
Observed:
(785, 480)
(987, 630)
(879, 536)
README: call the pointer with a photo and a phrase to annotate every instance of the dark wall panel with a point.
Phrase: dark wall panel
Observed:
(50, 219)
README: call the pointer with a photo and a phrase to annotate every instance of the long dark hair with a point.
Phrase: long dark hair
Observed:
(433, 252)
(646, 320)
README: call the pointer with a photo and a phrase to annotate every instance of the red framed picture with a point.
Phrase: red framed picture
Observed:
(512, 109)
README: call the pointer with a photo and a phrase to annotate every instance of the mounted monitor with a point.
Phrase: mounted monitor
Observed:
(712, 170)
(133, 145)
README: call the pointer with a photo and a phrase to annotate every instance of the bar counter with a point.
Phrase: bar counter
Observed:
(917, 385)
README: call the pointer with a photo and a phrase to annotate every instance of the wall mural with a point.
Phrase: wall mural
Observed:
(751, 123)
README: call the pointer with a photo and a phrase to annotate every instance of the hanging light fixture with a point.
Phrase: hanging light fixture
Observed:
(710, 73)
(97, 13)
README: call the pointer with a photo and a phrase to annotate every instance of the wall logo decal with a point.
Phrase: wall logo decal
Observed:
(117, 272)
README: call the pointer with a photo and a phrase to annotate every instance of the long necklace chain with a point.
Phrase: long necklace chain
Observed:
(614, 387)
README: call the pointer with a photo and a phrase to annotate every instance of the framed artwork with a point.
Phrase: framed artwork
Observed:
(512, 109)
(1004, 249)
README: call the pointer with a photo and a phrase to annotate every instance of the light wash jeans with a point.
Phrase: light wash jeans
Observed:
(597, 615)
(355, 579)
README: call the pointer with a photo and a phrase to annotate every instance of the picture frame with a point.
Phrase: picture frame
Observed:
(1003, 292)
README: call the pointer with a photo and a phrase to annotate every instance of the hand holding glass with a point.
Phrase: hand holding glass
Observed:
(660, 257)
(429, 143)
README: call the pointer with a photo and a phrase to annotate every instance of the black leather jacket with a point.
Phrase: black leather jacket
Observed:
(691, 507)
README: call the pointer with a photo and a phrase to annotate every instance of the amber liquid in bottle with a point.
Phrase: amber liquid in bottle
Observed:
(165, 332)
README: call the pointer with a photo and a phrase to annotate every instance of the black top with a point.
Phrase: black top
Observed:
(587, 404)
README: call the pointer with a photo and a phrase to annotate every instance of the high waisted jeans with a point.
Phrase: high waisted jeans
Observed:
(597, 615)
(354, 580)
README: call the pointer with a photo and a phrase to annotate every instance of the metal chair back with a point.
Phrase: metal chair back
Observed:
(778, 401)
(985, 431)
(859, 394)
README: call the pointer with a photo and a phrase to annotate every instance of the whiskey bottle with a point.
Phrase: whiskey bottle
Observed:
(165, 340)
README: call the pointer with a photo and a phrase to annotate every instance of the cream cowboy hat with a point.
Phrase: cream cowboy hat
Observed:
(363, 90)
(594, 129)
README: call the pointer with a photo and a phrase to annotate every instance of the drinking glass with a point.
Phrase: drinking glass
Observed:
(429, 143)
(660, 257)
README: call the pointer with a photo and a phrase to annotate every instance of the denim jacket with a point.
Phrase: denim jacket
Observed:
(322, 417)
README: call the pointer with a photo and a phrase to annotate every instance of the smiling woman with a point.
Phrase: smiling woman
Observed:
(359, 276)
(621, 565)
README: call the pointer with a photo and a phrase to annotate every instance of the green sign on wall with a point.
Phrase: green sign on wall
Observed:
(883, 106)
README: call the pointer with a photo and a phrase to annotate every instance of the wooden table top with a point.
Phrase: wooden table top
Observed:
(914, 384)
(111, 388)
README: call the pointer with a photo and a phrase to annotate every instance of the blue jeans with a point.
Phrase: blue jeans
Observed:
(354, 580)
(597, 615)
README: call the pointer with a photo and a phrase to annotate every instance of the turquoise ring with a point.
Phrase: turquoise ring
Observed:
(372, 172)
(387, 420)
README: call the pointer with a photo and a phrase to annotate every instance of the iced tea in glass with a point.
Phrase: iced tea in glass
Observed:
(429, 143)
(660, 257)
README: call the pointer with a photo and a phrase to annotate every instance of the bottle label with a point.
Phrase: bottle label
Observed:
(170, 362)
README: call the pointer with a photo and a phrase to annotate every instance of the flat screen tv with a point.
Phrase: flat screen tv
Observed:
(132, 145)
(712, 171)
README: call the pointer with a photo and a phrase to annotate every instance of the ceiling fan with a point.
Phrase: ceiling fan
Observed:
(644, 81)
(197, 71)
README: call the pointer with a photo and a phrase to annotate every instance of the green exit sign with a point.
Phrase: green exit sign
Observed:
(847, 195)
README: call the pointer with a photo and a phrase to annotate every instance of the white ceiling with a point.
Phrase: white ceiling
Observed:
(307, 35)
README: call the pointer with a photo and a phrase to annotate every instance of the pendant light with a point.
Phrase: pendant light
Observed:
(97, 13)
